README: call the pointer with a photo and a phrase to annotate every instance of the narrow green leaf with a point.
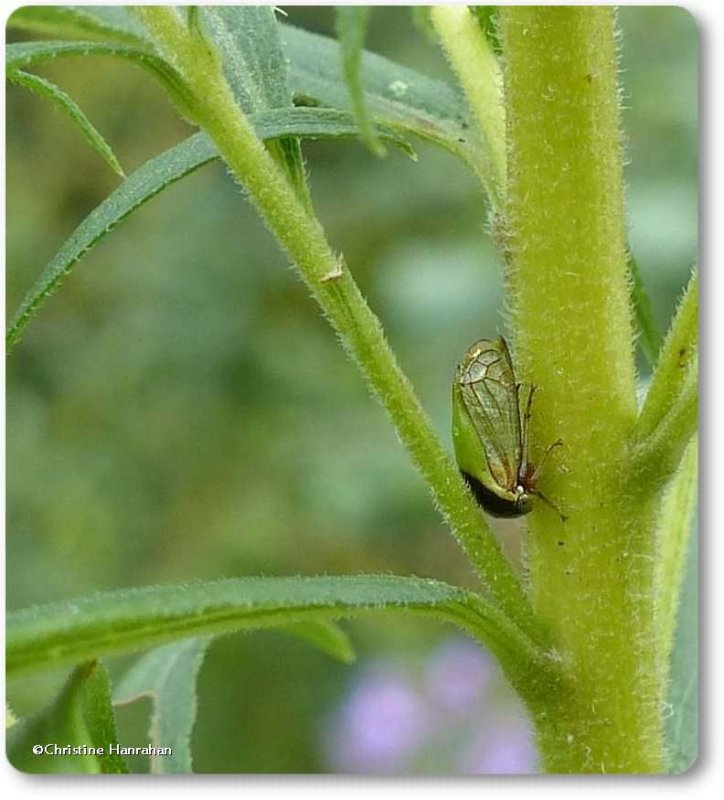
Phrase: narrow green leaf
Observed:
(425, 106)
(25, 54)
(20, 55)
(394, 94)
(133, 619)
(321, 123)
(351, 25)
(168, 675)
(650, 335)
(51, 92)
(160, 172)
(81, 716)
(682, 723)
(137, 189)
(101, 719)
(112, 23)
(327, 636)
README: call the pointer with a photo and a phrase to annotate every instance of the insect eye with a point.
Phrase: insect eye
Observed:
(524, 504)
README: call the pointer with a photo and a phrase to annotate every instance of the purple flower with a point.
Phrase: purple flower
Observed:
(381, 723)
(458, 675)
(455, 715)
(505, 749)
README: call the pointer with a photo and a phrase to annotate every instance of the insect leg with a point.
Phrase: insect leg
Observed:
(550, 503)
(534, 477)
(525, 432)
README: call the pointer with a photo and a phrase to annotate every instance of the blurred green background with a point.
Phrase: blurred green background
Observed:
(180, 410)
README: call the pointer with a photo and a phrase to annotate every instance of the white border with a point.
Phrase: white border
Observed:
(703, 779)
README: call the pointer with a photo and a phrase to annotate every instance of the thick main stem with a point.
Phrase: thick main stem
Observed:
(591, 576)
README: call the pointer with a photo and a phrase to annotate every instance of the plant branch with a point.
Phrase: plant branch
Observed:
(676, 361)
(669, 416)
(332, 285)
(656, 458)
(478, 71)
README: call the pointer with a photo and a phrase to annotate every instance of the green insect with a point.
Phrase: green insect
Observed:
(491, 427)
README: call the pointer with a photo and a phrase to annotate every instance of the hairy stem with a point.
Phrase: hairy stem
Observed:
(669, 416)
(479, 74)
(591, 576)
(656, 459)
(677, 360)
(332, 285)
(674, 533)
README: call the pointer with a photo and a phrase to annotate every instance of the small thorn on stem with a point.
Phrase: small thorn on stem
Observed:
(336, 273)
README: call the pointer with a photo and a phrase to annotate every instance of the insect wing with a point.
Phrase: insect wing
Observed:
(490, 394)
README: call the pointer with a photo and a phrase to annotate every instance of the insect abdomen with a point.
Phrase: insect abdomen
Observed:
(495, 505)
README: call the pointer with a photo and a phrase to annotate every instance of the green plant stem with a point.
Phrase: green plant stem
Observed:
(591, 577)
(478, 71)
(656, 459)
(332, 285)
(669, 416)
(675, 531)
(676, 361)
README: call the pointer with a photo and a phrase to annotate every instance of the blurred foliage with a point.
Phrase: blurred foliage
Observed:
(180, 409)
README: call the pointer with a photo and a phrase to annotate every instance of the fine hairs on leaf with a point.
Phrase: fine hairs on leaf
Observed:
(98, 23)
(133, 619)
(26, 54)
